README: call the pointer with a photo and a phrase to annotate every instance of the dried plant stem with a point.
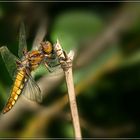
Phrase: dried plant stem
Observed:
(73, 105)
(66, 64)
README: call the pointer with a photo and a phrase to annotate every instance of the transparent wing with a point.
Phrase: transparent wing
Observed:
(22, 40)
(39, 35)
(9, 60)
(32, 90)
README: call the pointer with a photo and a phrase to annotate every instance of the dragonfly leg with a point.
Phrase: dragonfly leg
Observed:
(65, 64)
(48, 68)
(66, 56)
(53, 65)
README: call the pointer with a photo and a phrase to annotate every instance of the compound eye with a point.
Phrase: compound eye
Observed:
(47, 47)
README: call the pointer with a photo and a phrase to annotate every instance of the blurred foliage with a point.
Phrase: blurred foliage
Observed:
(130, 39)
(74, 26)
(108, 105)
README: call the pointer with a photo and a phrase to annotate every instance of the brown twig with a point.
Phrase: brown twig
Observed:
(66, 64)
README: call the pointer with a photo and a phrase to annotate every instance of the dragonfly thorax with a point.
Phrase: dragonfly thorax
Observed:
(34, 58)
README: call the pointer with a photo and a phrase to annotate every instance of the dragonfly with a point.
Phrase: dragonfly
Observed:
(20, 68)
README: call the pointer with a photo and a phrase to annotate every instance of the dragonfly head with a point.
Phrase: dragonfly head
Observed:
(46, 47)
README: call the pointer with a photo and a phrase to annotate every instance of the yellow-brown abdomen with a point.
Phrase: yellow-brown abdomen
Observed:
(16, 90)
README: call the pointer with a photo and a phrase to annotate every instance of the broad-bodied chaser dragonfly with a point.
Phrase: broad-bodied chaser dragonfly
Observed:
(27, 62)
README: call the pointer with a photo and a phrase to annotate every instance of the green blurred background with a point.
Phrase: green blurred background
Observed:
(105, 38)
